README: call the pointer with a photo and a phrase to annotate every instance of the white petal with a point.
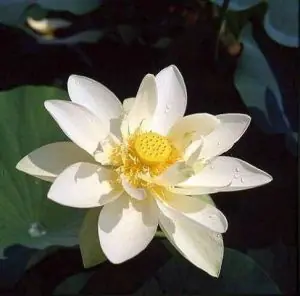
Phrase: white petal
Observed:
(103, 153)
(48, 161)
(198, 244)
(223, 174)
(244, 175)
(137, 193)
(84, 185)
(217, 173)
(94, 96)
(142, 110)
(191, 128)
(172, 99)
(98, 99)
(226, 134)
(192, 152)
(195, 190)
(197, 210)
(79, 124)
(206, 198)
(173, 175)
(128, 104)
(126, 227)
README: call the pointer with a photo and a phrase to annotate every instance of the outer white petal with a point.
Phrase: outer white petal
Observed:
(244, 175)
(226, 134)
(141, 112)
(196, 190)
(198, 211)
(79, 124)
(198, 244)
(126, 227)
(206, 198)
(172, 99)
(95, 97)
(191, 128)
(217, 173)
(48, 161)
(84, 185)
(98, 99)
(128, 104)
(137, 193)
(224, 174)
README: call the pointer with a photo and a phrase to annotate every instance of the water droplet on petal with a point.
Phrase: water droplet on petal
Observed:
(237, 170)
(36, 230)
(235, 176)
(218, 143)
(212, 167)
(242, 180)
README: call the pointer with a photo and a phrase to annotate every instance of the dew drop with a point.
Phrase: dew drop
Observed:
(36, 230)
(218, 143)
(237, 170)
(235, 176)
(242, 180)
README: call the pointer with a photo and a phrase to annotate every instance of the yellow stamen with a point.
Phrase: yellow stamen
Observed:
(143, 154)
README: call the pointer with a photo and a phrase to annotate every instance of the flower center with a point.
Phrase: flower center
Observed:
(143, 154)
(152, 148)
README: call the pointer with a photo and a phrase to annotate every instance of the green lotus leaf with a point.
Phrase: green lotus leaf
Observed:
(240, 275)
(90, 248)
(74, 6)
(27, 217)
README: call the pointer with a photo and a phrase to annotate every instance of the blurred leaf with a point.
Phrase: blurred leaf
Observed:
(36, 12)
(236, 20)
(90, 36)
(151, 288)
(12, 12)
(238, 4)
(90, 248)
(162, 43)
(239, 275)
(40, 255)
(258, 87)
(73, 284)
(282, 22)
(27, 217)
(280, 261)
(128, 33)
(74, 6)
(14, 265)
(291, 141)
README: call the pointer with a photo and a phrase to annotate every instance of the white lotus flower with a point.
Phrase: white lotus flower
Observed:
(143, 162)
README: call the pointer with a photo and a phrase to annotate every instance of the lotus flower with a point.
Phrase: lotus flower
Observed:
(143, 161)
